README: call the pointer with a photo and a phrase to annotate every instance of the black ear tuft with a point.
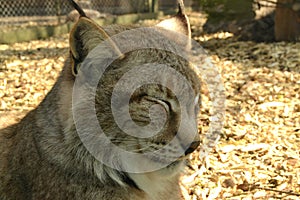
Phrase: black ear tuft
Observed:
(179, 23)
(181, 10)
(78, 8)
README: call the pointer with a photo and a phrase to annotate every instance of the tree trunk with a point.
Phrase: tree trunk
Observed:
(287, 21)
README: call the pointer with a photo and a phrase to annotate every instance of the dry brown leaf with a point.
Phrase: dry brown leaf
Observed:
(261, 137)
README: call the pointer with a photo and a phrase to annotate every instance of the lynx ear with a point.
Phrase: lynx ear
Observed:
(84, 37)
(179, 23)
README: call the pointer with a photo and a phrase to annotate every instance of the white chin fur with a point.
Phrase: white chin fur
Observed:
(156, 181)
(135, 170)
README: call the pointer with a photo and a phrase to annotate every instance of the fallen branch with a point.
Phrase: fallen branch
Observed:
(280, 191)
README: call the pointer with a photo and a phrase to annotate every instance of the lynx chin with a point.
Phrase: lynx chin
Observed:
(145, 100)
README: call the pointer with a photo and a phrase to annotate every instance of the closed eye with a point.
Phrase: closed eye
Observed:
(167, 105)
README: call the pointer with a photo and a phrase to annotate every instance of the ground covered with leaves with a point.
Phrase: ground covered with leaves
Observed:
(258, 155)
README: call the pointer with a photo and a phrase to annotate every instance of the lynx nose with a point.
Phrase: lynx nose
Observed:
(192, 147)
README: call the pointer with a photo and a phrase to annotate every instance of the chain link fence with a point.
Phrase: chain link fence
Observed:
(14, 12)
(20, 11)
(12, 8)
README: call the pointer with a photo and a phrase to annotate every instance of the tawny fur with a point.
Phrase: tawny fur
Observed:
(42, 156)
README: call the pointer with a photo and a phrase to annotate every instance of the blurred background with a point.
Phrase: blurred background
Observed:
(254, 44)
(258, 20)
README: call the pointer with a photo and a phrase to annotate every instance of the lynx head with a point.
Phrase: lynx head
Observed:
(136, 96)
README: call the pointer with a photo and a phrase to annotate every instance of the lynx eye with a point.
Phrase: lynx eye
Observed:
(167, 105)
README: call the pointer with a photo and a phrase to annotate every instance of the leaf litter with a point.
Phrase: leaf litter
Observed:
(258, 155)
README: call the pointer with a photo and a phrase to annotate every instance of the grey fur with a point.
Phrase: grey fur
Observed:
(42, 156)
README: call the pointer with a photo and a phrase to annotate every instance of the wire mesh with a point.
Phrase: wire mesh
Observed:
(12, 8)
(17, 12)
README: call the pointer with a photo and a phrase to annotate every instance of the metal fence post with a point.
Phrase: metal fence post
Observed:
(58, 10)
(153, 6)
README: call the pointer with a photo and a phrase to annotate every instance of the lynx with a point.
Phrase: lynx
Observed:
(43, 156)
